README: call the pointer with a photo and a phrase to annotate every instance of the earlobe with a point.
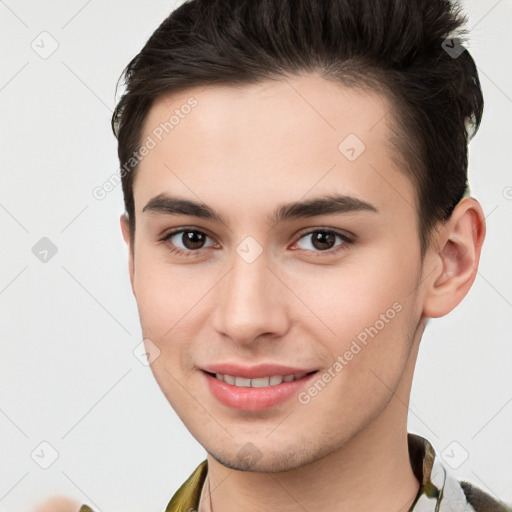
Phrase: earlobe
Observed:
(125, 230)
(459, 245)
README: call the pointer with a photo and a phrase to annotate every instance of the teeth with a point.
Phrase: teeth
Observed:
(229, 379)
(242, 382)
(260, 382)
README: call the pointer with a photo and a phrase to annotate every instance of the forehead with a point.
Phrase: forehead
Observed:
(262, 144)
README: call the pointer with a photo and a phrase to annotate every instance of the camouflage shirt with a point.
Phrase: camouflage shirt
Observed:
(439, 491)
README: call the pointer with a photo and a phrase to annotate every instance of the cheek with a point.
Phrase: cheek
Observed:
(174, 304)
(370, 309)
(369, 356)
(165, 294)
(155, 303)
(166, 297)
(362, 293)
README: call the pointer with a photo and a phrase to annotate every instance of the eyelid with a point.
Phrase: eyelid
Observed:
(348, 238)
(168, 233)
(187, 253)
(345, 237)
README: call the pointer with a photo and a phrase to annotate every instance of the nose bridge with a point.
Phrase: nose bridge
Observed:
(248, 301)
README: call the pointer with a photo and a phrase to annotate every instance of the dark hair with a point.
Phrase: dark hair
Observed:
(410, 50)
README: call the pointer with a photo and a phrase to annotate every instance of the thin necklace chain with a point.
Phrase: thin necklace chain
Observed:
(210, 496)
(201, 503)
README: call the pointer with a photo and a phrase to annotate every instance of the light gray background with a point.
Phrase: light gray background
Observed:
(69, 326)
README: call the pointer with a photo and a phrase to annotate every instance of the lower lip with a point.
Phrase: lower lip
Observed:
(254, 399)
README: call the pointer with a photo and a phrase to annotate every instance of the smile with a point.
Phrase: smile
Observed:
(257, 388)
(260, 382)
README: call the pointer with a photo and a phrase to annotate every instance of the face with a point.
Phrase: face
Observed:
(306, 312)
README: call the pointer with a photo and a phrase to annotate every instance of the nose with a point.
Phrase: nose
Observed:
(251, 302)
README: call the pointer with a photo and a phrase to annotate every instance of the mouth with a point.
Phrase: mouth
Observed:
(258, 382)
(255, 389)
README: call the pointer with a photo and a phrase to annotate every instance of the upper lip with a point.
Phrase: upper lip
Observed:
(254, 372)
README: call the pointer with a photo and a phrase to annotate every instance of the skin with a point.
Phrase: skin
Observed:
(58, 504)
(244, 152)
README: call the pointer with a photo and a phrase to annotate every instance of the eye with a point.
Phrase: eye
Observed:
(324, 241)
(192, 241)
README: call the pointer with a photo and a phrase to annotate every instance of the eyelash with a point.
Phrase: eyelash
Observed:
(195, 253)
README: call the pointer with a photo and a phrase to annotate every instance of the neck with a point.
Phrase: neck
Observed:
(371, 472)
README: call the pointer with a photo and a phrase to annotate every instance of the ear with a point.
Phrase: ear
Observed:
(454, 257)
(125, 229)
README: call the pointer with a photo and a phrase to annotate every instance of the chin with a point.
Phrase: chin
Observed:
(269, 459)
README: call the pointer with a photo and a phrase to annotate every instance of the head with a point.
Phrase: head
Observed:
(324, 144)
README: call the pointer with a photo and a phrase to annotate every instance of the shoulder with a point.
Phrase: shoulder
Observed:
(186, 498)
(440, 490)
(482, 501)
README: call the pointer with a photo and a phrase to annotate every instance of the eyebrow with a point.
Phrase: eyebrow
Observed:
(331, 204)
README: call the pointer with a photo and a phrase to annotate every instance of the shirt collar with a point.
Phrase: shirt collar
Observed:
(438, 492)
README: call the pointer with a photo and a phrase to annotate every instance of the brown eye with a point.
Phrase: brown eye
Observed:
(193, 239)
(187, 241)
(323, 240)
